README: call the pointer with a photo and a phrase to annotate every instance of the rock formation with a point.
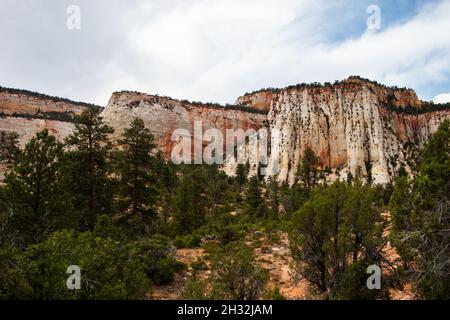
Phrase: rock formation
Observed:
(354, 125)
(165, 115)
(28, 112)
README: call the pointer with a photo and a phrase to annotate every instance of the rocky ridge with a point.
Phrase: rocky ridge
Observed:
(354, 125)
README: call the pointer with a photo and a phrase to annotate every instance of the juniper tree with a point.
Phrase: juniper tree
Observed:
(421, 218)
(338, 226)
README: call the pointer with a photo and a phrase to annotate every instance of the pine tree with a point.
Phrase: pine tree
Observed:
(241, 175)
(254, 202)
(9, 147)
(216, 188)
(308, 172)
(273, 194)
(189, 201)
(36, 190)
(166, 174)
(90, 167)
(136, 179)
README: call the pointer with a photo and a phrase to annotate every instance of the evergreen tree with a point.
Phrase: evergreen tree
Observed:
(241, 175)
(9, 147)
(338, 227)
(421, 218)
(90, 167)
(349, 177)
(189, 200)
(36, 190)
(308, 172)
(109, 270)
(136, 179)
(254, 202)
(273, 194)
(236, 276)
(216, 188)
(166, 174)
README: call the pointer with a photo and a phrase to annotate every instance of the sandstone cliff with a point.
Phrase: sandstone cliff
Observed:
(28, 112)
(164, 115)
(354, 125)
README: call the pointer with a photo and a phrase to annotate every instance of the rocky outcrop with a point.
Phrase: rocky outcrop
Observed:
(164, 115)
(353, 126)
(28, 112)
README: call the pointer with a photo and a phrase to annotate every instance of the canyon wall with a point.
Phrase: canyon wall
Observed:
(165, 115)
(28, 112)
(353, 126)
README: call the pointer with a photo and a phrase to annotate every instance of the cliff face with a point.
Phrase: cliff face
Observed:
(28, 113)
(165, 115)
(354, 125)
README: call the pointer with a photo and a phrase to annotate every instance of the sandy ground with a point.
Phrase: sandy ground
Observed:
(276, 258)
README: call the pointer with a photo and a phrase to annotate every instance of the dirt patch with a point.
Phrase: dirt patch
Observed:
(276, 258)
(175, 289)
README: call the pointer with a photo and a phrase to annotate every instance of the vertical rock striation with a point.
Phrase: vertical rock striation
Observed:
(353, 126)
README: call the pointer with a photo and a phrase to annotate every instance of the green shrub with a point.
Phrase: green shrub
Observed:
(274, 294)
(109, 270)
(187, 241)
(159, 261)
(195, 290)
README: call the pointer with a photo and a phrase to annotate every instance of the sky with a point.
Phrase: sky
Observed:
(217, 50)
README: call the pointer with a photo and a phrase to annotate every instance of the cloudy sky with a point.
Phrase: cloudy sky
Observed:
(216, 50)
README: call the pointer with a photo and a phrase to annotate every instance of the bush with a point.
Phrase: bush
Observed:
(109, 270)
(159, 262)
(229, 234)
(187, 241)
(352, 285)
(236, 276)
(274, 294)
(199, 265)
(195, 290)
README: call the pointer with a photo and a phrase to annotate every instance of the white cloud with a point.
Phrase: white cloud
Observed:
(442, 98)
(216, 50)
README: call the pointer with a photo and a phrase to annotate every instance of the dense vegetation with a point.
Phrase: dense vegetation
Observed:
(119, 211)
